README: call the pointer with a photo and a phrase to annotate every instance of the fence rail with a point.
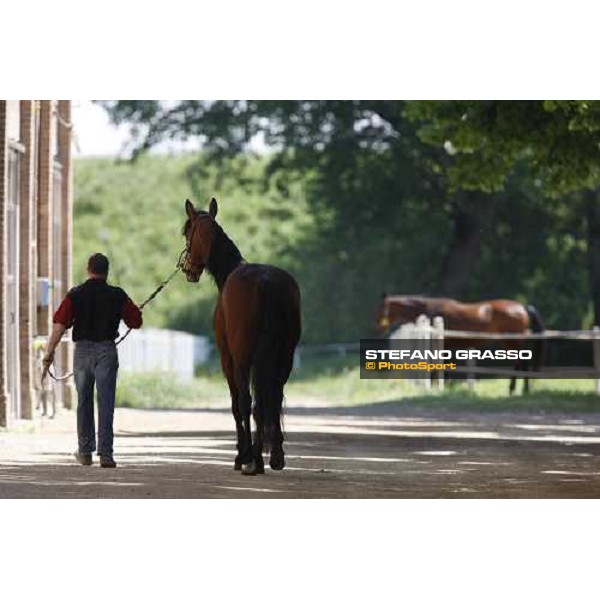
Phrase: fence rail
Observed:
(434, 330)
(550, 334)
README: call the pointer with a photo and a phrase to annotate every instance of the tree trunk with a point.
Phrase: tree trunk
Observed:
(592, 205)
(462, 258)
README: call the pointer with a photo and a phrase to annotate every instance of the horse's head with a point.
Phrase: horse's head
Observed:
(198, 231)
(396, 310)
(382, 318)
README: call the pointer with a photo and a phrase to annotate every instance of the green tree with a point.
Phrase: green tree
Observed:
(558, 143)
(486, 141)
(406, 197)
(367, 179)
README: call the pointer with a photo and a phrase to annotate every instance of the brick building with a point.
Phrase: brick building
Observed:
(35, 245)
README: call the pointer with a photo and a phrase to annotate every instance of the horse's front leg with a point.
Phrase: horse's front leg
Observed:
(512, 386)
(228, 371)
(513, 380)
(235, 410)
(246, 452)
(525, 379)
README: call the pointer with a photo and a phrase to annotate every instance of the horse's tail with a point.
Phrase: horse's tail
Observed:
(536, 324)
(273, 358)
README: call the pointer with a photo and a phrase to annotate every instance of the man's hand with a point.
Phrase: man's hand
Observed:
(47, 361)
(57, 332)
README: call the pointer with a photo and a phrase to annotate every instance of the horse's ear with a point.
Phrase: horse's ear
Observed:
(213, 208)
(189, 209)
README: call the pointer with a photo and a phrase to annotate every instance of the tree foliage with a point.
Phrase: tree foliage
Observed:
(559, 141)
(406, 197)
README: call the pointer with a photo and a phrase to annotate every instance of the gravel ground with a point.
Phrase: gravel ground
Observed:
(376, 451)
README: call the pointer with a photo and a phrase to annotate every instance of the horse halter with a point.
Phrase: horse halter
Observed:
(186, 254)
(385, 318)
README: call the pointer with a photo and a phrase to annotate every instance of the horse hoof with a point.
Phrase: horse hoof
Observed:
(249, 468)
(277, 461)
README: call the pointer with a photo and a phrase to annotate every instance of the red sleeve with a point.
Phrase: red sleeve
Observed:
(64, 313)
(132, 315)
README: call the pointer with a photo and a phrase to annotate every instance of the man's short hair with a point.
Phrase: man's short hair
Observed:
(98, 264)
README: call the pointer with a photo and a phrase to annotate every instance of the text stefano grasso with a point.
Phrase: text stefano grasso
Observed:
(471, 354)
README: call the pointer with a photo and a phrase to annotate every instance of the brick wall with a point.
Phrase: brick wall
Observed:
(27, 258)
(4, 400)
(44, 238)
(66, 240)
(36, 203)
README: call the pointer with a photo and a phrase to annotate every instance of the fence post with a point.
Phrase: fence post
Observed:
(424, 337)
(596, 343)
(437, 343)
(470, 375)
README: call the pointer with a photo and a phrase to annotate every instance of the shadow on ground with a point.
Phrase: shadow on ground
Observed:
(354, 452)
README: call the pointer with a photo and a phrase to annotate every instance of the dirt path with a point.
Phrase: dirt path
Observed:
(364, 452)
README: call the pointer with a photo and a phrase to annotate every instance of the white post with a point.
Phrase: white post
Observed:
(470, 374)
(596, 343)
(424, 337)
(437, 336)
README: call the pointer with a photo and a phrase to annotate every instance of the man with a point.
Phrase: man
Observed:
(94, 310)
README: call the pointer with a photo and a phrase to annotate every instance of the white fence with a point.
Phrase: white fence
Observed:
(431, 336)
(163, 350)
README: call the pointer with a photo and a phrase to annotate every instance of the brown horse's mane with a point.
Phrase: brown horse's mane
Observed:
(224, 255)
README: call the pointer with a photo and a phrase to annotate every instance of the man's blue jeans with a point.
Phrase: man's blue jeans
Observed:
(95, 363)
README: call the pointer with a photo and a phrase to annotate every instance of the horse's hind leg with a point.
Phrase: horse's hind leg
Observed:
(257, 446)
(277, 458)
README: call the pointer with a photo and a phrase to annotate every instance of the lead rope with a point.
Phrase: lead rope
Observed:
(151, 297)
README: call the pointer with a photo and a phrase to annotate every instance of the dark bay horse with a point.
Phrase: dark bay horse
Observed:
(257, 327)
(489, 316)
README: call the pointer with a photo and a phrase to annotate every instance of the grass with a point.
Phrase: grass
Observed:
(22, 427)
(335, 381)
(163, 390)
(492, 396)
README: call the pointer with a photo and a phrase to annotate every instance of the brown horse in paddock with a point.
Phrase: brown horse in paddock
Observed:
(257, 327)
(489, 316)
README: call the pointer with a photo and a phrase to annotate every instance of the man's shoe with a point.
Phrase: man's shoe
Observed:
(83, 458)
(107, 462)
